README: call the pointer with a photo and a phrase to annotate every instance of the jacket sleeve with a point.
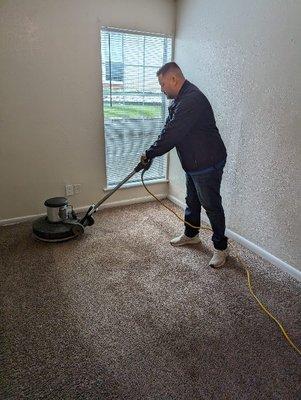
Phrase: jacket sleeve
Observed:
(186, 114)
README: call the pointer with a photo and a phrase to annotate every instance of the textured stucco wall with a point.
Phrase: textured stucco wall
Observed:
(245, 56)
(51, 123)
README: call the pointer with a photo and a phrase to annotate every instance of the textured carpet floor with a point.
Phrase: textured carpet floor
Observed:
(121, 314)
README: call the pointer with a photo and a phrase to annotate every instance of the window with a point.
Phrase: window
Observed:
(134, 107)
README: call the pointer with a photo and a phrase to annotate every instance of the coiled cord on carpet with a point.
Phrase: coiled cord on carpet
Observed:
(263, 307)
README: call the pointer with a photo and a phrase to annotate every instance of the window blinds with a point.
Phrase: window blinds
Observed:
(134, 107)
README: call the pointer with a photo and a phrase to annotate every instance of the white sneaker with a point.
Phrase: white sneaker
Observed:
(183, 239)
(219, 258)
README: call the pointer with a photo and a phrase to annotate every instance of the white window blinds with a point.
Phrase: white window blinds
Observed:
(134, 107)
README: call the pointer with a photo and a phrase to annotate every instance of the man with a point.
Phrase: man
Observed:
(190, 128)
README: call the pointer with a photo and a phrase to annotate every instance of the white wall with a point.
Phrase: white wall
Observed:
(245, 56)
(51, 122)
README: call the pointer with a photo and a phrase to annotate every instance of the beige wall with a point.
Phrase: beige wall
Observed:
(51, 123)
(245, 56)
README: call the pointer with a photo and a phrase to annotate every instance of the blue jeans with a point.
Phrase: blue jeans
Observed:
(203, 190)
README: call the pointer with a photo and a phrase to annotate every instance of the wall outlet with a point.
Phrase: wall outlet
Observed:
(69, 190)
(77, 188)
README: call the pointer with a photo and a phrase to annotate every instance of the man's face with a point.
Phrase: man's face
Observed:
(168, 85)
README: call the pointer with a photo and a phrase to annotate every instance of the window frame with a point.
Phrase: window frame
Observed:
(165, 157)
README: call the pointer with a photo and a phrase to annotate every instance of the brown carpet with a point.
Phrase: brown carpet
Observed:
(121, 314)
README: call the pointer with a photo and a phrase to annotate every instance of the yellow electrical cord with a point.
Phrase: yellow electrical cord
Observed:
(295, 347)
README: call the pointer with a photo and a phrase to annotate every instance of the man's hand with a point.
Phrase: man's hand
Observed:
(143, 159)
(144, 164)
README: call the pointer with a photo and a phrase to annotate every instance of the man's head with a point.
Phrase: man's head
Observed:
(171, 79)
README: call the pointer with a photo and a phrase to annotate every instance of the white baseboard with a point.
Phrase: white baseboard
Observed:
(136, 200)
(265, 255)
(251, 246)
(176, 201)
(144, 199)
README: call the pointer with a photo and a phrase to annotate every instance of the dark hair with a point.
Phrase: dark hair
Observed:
(170, 66)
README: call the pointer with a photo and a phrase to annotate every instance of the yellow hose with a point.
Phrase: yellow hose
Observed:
(264, 308)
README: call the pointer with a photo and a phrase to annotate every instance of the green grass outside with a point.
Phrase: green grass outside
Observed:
(132, 111)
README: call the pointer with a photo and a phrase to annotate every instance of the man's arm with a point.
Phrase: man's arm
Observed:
(186, 114)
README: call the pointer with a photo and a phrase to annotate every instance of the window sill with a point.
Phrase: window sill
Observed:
(136, 184)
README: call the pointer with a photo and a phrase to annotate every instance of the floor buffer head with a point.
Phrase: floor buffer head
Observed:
(60, 224)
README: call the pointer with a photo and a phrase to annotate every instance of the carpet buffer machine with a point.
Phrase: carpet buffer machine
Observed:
(62, 223)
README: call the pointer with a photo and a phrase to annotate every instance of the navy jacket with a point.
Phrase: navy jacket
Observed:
(190, 127)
